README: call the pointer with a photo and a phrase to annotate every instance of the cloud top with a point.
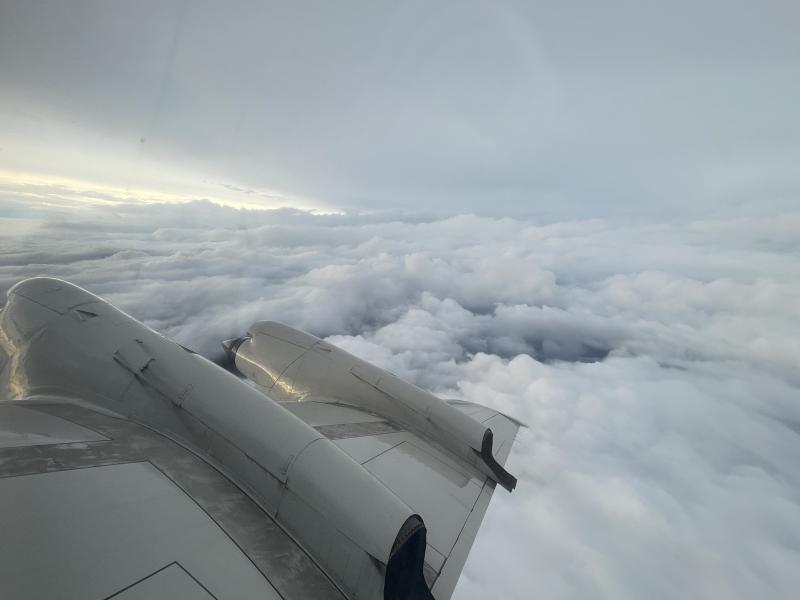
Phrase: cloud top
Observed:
(656, 365)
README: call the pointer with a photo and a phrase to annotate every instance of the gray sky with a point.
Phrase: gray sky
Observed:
(544, 108)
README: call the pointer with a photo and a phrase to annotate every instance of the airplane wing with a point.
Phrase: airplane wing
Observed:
(133, 468)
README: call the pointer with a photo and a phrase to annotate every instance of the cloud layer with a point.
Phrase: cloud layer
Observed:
(657, 365)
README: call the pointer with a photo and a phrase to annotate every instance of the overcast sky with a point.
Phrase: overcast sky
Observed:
(546, 108)
(586, 215)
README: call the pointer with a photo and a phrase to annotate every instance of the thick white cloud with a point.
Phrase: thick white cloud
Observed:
(655, 363)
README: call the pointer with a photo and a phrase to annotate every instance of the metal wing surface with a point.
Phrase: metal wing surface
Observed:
(133, 468)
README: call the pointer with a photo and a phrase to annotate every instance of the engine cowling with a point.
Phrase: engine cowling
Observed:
(290, 364)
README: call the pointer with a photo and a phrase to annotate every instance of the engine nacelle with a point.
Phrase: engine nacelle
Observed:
(293, 365)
